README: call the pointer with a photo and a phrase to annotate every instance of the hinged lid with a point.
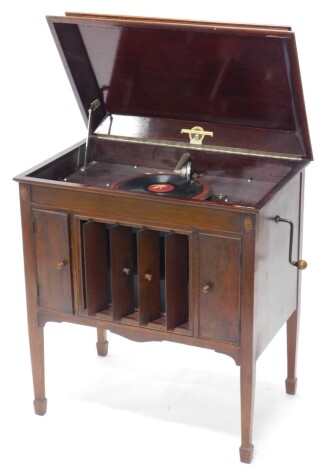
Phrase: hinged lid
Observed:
(239, 83)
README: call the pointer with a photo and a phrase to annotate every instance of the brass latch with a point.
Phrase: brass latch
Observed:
(301, 263)
(196, 134)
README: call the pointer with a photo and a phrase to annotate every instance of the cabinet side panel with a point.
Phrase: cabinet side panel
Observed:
(51, 234)
(220, 288)
(276, 280)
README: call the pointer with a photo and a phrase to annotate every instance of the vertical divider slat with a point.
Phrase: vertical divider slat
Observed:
(148, 247)
(177, 266)
(122, 271)
(96, 267)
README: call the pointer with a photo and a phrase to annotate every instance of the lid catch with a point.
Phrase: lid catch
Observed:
(196, 134)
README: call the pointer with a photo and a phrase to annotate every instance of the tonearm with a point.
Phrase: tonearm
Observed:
(184, 167)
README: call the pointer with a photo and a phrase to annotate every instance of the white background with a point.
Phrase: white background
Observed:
(160, 405)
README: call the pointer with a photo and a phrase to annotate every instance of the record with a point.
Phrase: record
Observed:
(165, 185)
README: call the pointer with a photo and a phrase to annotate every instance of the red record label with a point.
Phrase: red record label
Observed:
(160, 187)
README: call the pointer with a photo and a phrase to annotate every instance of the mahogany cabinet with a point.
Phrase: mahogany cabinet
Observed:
(203, 244)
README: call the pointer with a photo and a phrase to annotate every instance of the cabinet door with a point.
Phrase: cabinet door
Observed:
(51, 234)
(219, 288)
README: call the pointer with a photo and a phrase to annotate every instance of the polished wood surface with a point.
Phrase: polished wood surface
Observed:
(53, 263)
(177, 280)
(96, 269)
(122, 271)
(222, 74)
(211, 273)
(149, 275)
(102, 343)
(220, 288)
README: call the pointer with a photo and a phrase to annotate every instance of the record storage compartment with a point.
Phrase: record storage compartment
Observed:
(135, 275)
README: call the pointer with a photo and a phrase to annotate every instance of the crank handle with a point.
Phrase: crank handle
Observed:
(301, 263)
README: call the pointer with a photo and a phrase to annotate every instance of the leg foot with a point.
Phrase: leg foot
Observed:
(102, 343)
(292, 340)
(291, 386)
(40, 406)
(247, 385)
(102, 348)
(246, 453)
(37, 360)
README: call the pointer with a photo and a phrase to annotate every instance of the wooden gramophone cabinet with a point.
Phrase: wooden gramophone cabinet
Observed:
(173, 108)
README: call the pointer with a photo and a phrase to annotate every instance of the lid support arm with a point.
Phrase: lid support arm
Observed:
(93, 106)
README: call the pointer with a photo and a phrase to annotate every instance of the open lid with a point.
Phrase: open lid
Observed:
(240, 82)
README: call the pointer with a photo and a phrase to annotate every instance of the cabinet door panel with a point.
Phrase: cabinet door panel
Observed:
(51, 234)
(219, 288)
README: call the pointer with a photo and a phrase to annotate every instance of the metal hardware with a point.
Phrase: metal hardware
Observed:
(61, 265)
(209, 148)
(206, 288)
(196, 134)
(93, 106)
(126, 271)
(148, 277)
(300, 264)
(222, 197)
(87, 166)
(183, 168)
(110, 124)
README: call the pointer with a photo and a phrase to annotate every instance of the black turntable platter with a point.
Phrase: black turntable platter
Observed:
(166, 185)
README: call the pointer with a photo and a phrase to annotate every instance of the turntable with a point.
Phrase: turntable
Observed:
(179, 217)
(182, 184)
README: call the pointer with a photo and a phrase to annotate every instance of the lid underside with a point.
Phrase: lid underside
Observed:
(232, 77)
